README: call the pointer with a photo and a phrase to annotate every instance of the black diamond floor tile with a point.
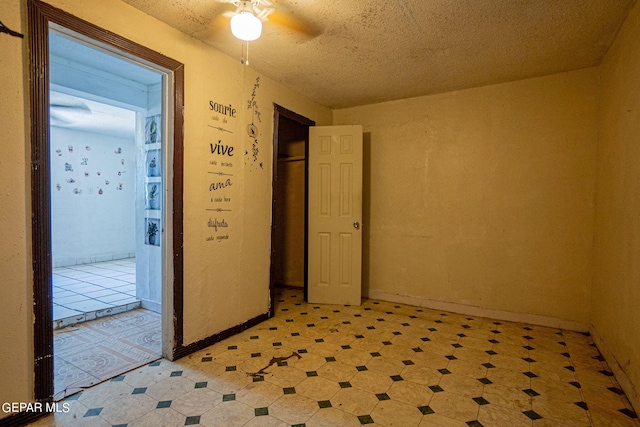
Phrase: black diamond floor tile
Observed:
(582, 405)
(192, 420)
(533, 415)
(616, 390)
(481, 400)
(425, 410)
(365, 419)
(93, 412)
(629, 413)
(324, 404)
(163, 404)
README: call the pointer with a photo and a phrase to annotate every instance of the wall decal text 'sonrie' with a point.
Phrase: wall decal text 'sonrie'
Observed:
(227, 110)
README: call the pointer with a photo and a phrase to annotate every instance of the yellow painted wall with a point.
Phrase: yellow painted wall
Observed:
(225, 283)
(16, 359)
(484, 197)
(616, 285)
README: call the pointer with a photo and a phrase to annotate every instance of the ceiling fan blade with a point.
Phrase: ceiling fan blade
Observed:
(295, 23)
(63, 102)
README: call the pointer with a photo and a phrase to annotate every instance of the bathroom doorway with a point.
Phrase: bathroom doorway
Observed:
(106, 162)
(107, 203)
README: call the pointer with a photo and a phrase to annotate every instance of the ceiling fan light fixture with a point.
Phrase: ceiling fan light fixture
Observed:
(246, 26)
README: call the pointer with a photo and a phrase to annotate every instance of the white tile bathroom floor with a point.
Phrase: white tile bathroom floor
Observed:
(381, 363)
(93, 288)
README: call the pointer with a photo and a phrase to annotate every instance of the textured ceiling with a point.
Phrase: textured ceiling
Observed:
(365, 51)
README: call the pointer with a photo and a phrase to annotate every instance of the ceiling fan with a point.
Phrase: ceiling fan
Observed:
(246, 21)
(248, 17)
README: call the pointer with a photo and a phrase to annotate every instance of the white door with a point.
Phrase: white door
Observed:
(335, 215)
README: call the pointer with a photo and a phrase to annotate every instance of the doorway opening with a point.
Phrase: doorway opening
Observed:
(107, 170)
(289, 204)
(106, 148)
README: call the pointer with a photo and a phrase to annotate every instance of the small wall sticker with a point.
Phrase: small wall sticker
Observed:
(252, 129)
(153, 163)
(152, 129)
(154, 193)
(152, 231)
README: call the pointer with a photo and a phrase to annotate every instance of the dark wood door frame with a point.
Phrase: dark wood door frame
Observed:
(279, 112)
(40, 15)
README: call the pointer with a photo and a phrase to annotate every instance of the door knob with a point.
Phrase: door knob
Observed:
(356, 225)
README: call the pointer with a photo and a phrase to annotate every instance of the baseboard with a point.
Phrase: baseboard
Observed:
(285, 286)
(156, 307)
(20, 419)
(532, 319)
(293, 285)
(93, 315)
(185, 350)
(630, 390)
(68, 262)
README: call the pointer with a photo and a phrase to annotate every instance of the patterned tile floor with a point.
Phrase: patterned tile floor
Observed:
(98, 350)
(382, 364)
(93, 288)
